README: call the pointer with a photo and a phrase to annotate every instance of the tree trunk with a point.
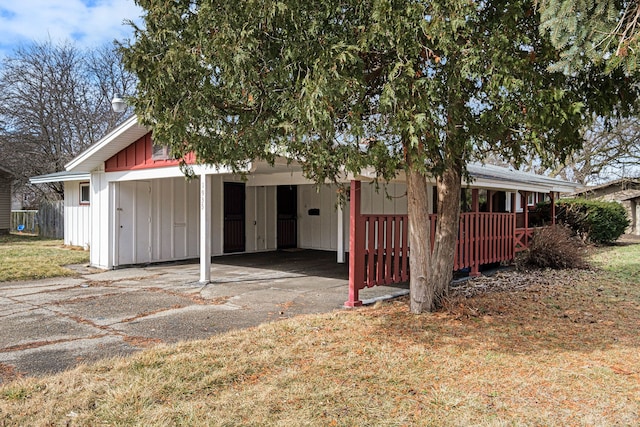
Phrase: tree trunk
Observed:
(442, 257)
(422, 291)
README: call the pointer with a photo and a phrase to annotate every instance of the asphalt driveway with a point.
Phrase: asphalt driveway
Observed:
(54, 324)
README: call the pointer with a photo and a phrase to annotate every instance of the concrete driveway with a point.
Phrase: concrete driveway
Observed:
(54, 324)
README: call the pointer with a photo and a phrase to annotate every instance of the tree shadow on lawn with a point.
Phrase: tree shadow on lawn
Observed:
(571, 311)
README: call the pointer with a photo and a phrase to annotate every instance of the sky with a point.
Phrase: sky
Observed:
(88, 23)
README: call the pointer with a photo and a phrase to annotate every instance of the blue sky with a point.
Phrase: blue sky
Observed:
(86, 22)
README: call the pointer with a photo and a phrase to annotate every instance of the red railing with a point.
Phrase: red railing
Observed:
(379, 245)
(523, 238)
(386, 249)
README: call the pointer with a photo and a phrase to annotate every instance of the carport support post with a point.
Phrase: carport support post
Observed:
(205, 228)
(340, 212)
(356, 246)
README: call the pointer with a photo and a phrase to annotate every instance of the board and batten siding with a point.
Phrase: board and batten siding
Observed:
(175, 226)
(77, 217)
(321, 231)
(5, 203)
(260, 214)
(102, 221)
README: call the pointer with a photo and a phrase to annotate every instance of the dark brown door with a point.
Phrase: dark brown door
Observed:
(234, 235)
(287, 216)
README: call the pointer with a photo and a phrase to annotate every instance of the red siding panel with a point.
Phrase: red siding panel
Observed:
(138, 156)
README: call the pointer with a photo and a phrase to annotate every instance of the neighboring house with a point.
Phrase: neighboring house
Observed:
(6, 180)
(625, 191)
(130, 203)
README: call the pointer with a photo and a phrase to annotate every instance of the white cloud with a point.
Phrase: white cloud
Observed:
(88, 22)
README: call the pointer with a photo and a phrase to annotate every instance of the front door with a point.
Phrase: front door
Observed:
(287, 216)
(234, 203)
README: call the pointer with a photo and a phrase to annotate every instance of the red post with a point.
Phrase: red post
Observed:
(553, 207)
(356, 246)
(475, 203)
(526, 219)
(515, 220)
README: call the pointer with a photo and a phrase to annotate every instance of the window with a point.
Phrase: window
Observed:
(159, 152)
(531, 199)
(85, 193)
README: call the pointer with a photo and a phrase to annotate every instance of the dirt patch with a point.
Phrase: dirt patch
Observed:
(142, 342)
(9, 373)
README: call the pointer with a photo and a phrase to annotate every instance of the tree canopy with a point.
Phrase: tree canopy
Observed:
(600, 31)
(420, 87)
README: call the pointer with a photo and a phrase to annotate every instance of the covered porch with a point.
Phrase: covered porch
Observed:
(379, 249)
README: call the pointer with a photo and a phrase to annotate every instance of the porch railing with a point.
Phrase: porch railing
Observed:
(379, 245)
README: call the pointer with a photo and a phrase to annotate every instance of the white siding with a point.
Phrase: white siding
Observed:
(102, 221)
(388, 199)
(317, 231)
(77, 217)
(260, 213)
(217, 215)
(175, 227)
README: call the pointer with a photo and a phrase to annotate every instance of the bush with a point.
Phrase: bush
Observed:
(596, 221)
(555, 247)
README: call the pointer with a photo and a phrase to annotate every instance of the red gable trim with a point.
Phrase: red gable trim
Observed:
(139, 156)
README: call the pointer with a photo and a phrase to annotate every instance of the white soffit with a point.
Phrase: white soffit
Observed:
(117, 140)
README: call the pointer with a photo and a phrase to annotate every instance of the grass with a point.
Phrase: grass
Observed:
(25, 257)
(565, 350)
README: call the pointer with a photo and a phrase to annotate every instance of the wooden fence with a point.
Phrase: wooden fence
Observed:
(47, 221)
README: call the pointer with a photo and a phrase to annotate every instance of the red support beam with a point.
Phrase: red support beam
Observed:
(356, 246)
(475, 205)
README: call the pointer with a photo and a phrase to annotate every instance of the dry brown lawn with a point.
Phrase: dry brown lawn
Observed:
(540, 348)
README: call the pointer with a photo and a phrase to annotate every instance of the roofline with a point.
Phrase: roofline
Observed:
(608, 184)
(95, 148)
(60, 177)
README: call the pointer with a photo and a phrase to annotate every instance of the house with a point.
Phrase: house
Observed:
(128, 202)
(625, 191)
(6, 180)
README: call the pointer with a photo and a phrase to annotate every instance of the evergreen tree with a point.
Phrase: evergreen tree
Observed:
(403, 86)
(601, 31)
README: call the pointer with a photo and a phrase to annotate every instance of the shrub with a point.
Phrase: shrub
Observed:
(555, 247)
(596, 221)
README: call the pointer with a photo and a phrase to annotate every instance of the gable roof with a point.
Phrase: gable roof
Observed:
(117, 140)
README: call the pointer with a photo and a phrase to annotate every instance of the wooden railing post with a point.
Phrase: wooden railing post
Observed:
(515, 221)
(475, 202)
(356, 246)
(526, 219)
(553, 207)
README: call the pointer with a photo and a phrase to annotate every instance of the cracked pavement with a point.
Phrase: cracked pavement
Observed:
(51, 325)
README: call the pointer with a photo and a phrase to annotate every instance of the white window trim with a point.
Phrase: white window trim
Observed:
(81, 187)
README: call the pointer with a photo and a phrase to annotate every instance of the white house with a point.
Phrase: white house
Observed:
(129, 203)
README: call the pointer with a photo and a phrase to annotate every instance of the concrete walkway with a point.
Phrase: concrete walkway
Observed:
(54, 324)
